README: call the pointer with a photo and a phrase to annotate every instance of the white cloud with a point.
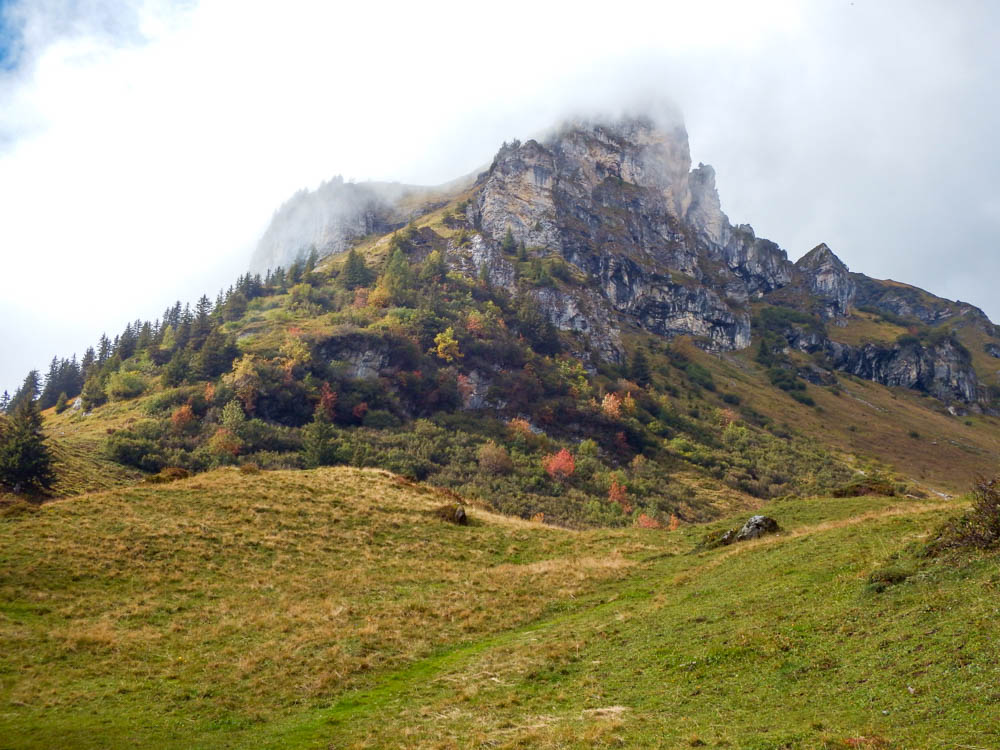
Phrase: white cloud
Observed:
(144, 145)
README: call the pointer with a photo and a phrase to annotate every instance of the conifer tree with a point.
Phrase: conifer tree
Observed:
(25, 463)
(28, 391)
(508, 244)
(355, 272)
(318, 448)
(396, 279)
(87, 363)
(103, 349)
(639, 370)
(434, 268)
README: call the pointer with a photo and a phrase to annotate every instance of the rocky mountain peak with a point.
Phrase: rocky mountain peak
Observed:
(819, 257)
(828, 277)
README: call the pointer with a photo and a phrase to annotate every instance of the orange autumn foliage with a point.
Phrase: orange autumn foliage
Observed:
(559, 465)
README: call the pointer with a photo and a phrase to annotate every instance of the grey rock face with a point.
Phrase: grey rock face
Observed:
(619, 200)
(829, 279)
(757, 527)
(942, 370)
(584, 313)
(329, 218)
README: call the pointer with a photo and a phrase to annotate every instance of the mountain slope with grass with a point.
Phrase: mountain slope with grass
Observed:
(335, 608)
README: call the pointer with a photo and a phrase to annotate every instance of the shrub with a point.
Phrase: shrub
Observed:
(125, 385)
(183, 419)
(645, 522)
(618, 494)
(611, 406)
(867, 486)
(802, 398)
(224, 444)
(494, 459)
(380, 419)
(559, 465)
(131, 450)
(980, 527)
(168, 474)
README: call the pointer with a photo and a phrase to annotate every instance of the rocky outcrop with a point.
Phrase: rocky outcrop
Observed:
(756, 527)
(338, 213)
(905, 301)
(829, 280)
(329, 219)
(620, 201)
(943, 369)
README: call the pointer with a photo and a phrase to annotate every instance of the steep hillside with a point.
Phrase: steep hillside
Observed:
(334, 608)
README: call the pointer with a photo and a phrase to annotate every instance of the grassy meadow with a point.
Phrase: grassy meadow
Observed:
(333, 609)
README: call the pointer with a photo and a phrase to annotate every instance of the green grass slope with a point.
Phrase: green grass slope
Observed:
(332, 608)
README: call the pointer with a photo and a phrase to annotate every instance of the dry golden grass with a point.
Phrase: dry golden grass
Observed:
(259, 593)
(863, 327)
(912, 434)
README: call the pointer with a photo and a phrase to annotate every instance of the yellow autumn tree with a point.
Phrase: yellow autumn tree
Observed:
(446, 345)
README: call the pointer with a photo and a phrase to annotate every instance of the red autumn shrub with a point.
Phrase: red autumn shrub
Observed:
(559, 465)
(645, 522)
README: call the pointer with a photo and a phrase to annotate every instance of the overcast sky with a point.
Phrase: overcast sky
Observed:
(145, 145)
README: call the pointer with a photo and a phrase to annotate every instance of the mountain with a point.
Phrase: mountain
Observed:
(577, 333)
(256, 537)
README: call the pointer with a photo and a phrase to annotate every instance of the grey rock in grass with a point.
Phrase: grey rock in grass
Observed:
(756, 527)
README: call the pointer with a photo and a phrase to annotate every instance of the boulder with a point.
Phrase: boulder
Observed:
(757, 527)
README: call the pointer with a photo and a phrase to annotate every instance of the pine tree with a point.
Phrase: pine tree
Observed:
(103, 349)
(639, 370)
(28, 391)
(311, 260)
(216, 355)
(93, 393)
(318, 448)
(87, 363)
(4, 402)
(434, 268)
(396, 279)
(175, 372)
(25, 463)
(202, 324)
(355, 273)
(508, 244)
(52, 387)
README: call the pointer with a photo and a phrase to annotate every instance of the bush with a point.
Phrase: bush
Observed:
(867, 486)
(980, 527)
(380, 419)
(168, 474)
(125, 385)
(559, 465)
(131, 450)
(802, 398)
(494, 459)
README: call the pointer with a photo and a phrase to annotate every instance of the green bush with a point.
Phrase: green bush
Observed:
(125, 385)
(380, 419)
